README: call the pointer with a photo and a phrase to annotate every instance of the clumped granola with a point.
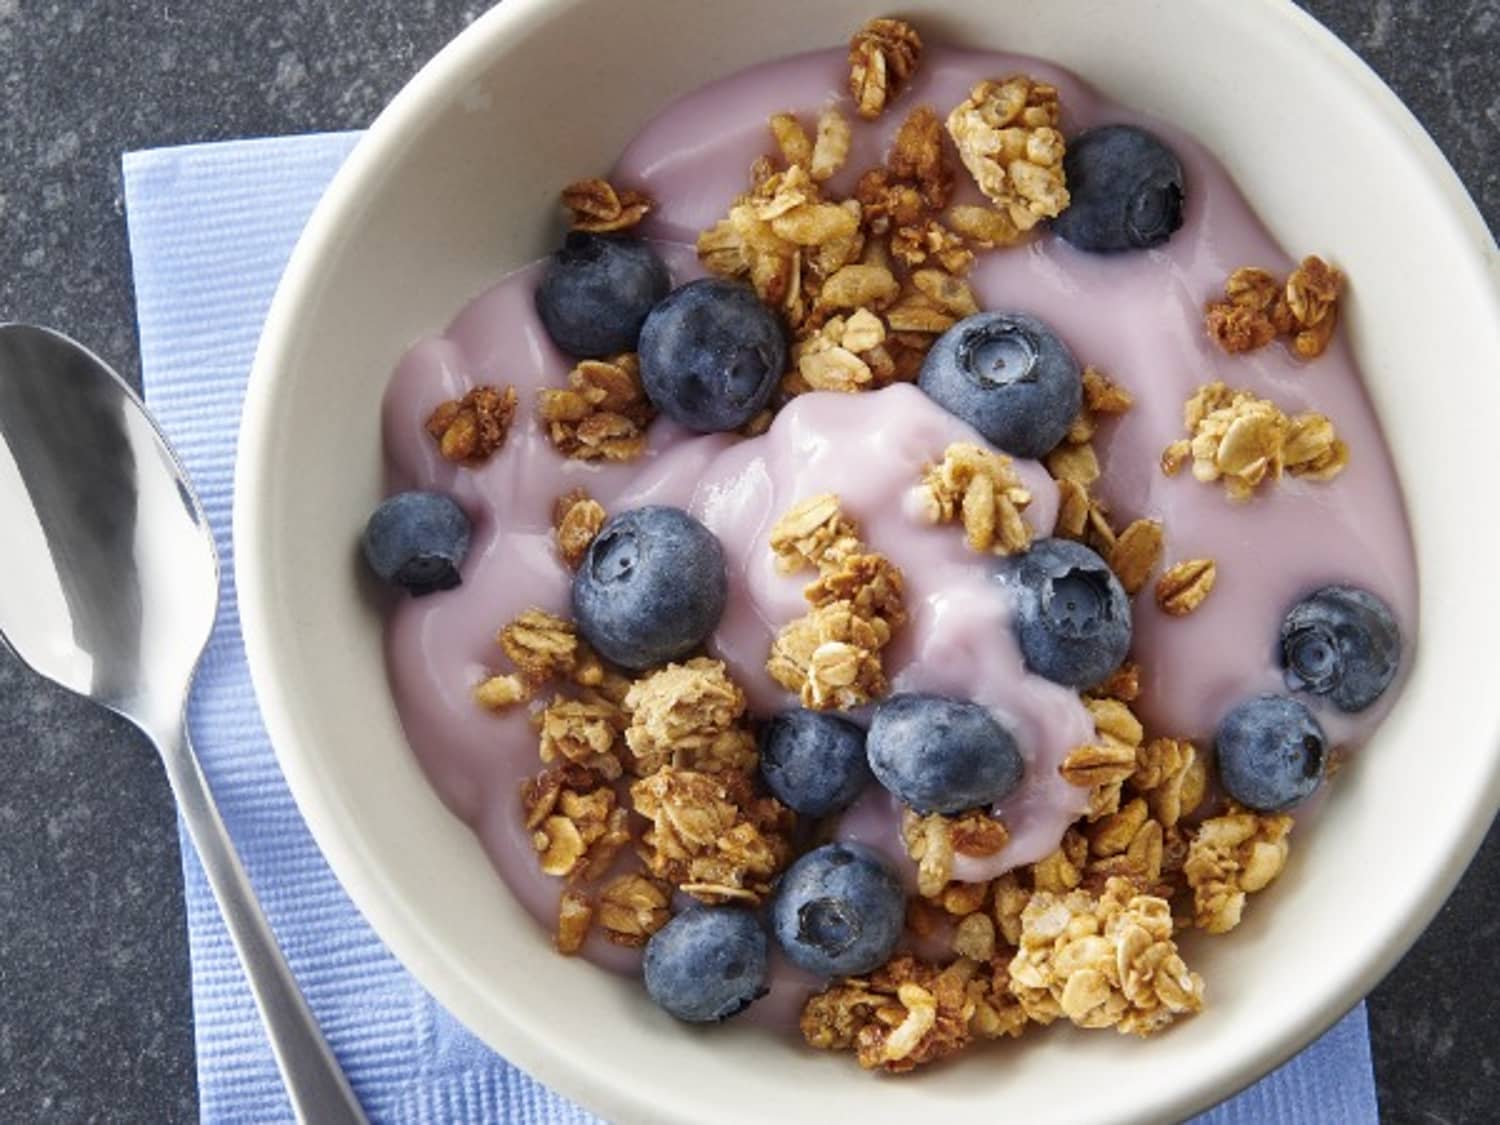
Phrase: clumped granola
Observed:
(586, 731)
(632, 907)
(1007, 137)
(1103, 765)
(471, 430)
(576, 518)
(710, 836)
(934, 841)
(689, 716)
(1185, 586)
(1257, 309)
(540, 644)
(598, 206)
(1242, 439)
(576, 822)
(908, 1012)
(883, 55)
(1229, 857)
(831, 656)
(979, 488)
(603, 412)
(1105, 961)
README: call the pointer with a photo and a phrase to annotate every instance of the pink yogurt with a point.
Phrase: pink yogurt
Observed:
(1136, 316)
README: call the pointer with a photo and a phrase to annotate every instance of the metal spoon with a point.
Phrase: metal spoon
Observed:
(111, 588)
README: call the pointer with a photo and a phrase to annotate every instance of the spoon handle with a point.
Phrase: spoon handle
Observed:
(316, 1086)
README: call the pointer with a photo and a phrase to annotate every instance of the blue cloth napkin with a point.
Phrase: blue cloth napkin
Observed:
(211, 227)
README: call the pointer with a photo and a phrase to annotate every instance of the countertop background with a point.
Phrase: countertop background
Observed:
(95, 1011)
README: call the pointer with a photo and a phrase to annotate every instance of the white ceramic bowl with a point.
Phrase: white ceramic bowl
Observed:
(456, 183)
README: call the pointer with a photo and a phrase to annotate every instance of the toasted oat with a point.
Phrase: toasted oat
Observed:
(1102, 395)
(577, 518)
(1124, 684)
(586, 732)
(472, 429)
(1256, 309)
(978, 487)
(792, 139)
(1061, 871)
(1103, 765)
(1072, 510)
(985, 227)
(1136, 554)
(882, 56)
(1007, 137)
(1242, 439)
(575, 914)
(710, 835)
(841, 355)
(1229, 857)
(603, 414)
(599, 206)
(1074, 462)
(690, 716)
(632, 908)
(499, 692)
(540, 645)
(831, 148)
(1106, 961)
(1185, 585)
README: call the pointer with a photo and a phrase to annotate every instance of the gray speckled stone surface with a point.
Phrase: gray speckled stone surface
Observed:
(95, 1014)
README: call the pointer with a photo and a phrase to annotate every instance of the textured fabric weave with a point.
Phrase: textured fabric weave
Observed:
(211, 227)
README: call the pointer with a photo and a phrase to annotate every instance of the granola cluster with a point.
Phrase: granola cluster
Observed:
(472, 429)
(831, 656)
(1256, 309)
(576, 519)
(673, 747)
(598, 206)
(1242, 440)
(908, 1012)
(603, 412)
(1185, 585)
(935, 841)
(1074, 466)
(882, 56)
(1007, 137)
(866, 283)
(980, 489)
(1231, 856)
(1105, 961)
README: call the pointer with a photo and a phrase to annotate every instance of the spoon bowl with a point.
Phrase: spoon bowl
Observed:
(111, 590)
(113, 579)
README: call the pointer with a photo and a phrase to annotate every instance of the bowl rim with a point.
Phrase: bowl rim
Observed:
(332, 825)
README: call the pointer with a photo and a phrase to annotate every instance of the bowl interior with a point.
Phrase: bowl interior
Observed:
(456, 184)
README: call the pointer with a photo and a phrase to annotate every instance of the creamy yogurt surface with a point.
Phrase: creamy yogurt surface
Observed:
(1136, 316)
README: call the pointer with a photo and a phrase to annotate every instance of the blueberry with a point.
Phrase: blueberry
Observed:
(1069, 611)
(839, 911)
(711, 354)
(417, 541)
(942, 755)
(1008, 376)
(1271, 753)
(1126, 188)
(707, 964)
(651, 588)
(596, 292)
(813, 761)
(1341, 642)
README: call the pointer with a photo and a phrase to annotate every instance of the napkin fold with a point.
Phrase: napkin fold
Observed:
(211, 228)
